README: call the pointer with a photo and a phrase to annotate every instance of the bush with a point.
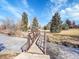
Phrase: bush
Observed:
(65, 26)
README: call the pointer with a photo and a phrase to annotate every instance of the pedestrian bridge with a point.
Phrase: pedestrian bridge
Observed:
(36, 47)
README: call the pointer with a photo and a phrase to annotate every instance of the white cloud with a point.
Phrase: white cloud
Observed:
(16, 11)
(53, 6)
(71, 12)
(13, 10)
(57, 5)
(57, 2)
(25, 3)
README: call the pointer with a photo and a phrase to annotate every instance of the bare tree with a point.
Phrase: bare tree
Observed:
(8, 24)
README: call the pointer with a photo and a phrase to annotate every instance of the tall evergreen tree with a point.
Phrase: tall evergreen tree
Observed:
(35, 23)
(24, 22)
(55, 23)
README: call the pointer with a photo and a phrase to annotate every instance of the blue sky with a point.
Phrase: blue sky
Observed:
(42, 9)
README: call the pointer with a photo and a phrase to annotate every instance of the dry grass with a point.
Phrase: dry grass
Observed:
(70, 32)
(70, 35)
(7, 56)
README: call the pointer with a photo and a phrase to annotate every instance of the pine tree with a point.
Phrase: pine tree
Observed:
(24, 22)
(55, 23)
(35, 23)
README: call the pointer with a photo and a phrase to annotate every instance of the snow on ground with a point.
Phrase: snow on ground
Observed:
(12, 43)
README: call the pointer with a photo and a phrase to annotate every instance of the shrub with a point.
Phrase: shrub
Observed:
(45, 27)
(65, 26)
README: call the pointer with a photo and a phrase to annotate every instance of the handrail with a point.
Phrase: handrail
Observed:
(41, 43)
(34, 37)
(34, 40)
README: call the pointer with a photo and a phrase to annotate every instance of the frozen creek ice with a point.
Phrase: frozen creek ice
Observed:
(61, 52)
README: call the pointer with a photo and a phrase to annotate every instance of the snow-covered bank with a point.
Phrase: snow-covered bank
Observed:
(12, 44)
(61, 52)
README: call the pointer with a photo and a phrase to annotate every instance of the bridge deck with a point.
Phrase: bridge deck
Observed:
(34, 49)
(32, 56)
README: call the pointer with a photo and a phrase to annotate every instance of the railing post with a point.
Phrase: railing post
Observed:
(28, 41)
(45, 42)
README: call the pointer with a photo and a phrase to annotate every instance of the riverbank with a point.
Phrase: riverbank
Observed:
(63, 45)
(71, 38)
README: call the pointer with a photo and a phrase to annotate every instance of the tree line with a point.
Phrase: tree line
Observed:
(56, 25)
(21, 25)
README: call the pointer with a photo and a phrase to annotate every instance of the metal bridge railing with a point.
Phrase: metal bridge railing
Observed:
(41, 42)
(37, 38)
(30, 40)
